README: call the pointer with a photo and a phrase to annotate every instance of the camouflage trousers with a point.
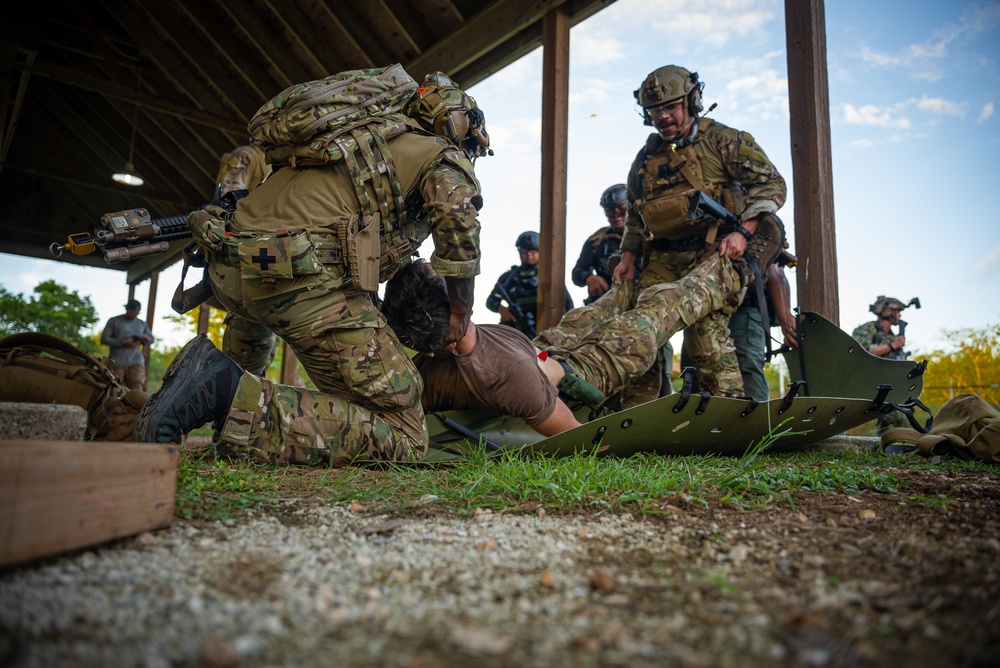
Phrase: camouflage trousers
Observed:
(611, 345)
(368, 401)
(749, 338)
(250, 344)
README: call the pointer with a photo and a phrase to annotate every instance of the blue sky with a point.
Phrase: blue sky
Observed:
(915, 141)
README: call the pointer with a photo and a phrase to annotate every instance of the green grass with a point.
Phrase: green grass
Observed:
(211, 488)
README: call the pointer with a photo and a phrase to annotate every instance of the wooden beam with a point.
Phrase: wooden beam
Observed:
(555, 131)
(812, 165)
(479, 35)
(79, 79)
(64, 495)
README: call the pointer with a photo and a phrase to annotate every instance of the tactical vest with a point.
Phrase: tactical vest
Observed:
(522, 284)
(604, 243)
(670, 174)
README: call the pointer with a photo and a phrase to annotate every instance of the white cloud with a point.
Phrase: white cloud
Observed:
(939, 105)
(989, 267)
(708, 23)
(862, 143)
(986, 112)
(879, 117)
(592, 44)
(927, 60)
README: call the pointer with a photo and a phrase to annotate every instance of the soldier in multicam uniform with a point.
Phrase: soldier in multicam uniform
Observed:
(592, 269)
(520, 283)
(689, 153)
(368, 402)
(878, 338)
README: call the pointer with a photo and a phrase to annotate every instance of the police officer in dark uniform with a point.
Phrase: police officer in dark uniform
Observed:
(515, 295)
(592, 270)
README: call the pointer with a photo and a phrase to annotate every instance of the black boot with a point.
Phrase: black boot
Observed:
(198, 388)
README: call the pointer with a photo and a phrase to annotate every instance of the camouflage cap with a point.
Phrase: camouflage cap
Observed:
(883, 305)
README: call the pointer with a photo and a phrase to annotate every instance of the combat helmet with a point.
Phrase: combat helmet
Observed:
(883, 305)
(614, 196)
(527, 241)
(669, 84)
(441, 107)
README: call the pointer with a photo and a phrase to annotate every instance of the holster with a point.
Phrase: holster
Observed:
(359, 243)
(185, 300)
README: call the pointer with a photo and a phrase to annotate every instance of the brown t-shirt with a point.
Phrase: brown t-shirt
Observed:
(501, 373)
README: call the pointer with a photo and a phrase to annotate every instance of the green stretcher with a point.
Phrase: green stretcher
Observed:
(835, 385)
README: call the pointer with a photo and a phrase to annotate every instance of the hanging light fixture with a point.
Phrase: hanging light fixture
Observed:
(129, 176)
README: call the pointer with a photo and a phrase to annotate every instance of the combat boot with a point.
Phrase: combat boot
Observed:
(198, 388)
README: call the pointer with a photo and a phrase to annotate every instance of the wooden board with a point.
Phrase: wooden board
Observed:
(63, 495)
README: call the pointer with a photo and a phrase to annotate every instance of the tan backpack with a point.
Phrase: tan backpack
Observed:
(966, 426)
(39, 368)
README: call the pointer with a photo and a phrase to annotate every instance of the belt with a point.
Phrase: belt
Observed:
(696, 242)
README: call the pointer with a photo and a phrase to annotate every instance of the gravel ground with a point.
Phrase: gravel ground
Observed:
(838, 580)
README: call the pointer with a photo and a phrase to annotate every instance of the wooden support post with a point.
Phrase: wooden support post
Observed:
(63, 495)
(204, 315)
(555, 123)
(154, 282)
(812, 165)
(289, 366)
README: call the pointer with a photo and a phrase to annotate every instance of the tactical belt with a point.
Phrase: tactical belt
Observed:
(686, 244)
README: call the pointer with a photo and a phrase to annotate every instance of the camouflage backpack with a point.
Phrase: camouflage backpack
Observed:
(44, 369)
(346, 117)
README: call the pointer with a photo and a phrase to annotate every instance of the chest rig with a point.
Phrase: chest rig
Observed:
(671, 173)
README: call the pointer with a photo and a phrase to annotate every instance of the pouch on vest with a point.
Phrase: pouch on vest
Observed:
(666, 217)
(359, 241)
(280, 255)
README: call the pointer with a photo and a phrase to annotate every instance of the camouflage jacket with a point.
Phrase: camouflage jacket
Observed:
(871, 335)
(728, 158)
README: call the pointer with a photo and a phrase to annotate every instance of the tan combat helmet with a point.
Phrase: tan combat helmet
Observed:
(441, 107)
(669, 84)
(883, 305)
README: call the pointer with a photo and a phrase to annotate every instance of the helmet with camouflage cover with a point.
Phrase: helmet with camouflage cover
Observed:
(668, 84)
(441, 107)
(883, 305)
(614, 196)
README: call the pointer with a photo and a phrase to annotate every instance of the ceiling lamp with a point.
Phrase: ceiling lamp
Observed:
(129, 176)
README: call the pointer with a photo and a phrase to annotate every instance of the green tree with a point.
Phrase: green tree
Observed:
(969, 365)
(52, 309)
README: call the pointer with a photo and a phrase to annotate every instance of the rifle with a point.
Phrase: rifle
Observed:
(703, 206)
(524, 322)
(127, 235)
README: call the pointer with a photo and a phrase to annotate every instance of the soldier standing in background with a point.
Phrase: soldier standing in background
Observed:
(519, 288)
(591, 270)
(125, 335)
(878, 338)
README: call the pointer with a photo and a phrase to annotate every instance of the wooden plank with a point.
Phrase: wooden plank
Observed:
(555, 134)
(64, 495)
(812, 165)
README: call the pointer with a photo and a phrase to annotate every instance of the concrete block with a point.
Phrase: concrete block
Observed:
(42, 422)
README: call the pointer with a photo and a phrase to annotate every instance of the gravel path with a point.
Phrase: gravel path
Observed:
(695, 586)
